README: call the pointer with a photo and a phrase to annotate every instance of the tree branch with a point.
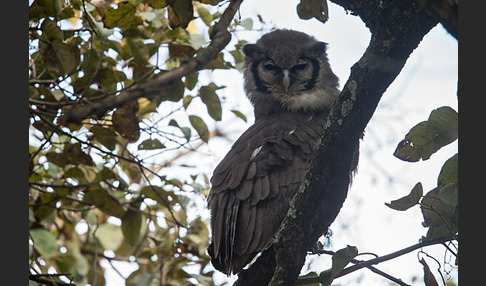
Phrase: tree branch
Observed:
(39, 278)
(397, 28)
(368, 263)
(220, 37)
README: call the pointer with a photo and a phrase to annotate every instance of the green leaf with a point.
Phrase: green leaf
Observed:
(59, 57)
(239, 114)
(131, 226)
(138, 49)
(123, 16)
(449, 174)
(151, 144)
(109, 235)
(205, 15)
(200, 126)
(428, 137)
(51, 31)
(210, 98)
(44, 242)
(439, 216)
(247, 24)
(308, 9)
(443, 126)
(449, 194)
(416, 145)
(191, 80)
(106, 136)
(408, 201)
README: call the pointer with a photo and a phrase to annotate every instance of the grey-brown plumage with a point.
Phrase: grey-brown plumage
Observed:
(290, 83)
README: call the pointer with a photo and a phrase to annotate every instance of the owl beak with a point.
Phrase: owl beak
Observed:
(286, 79)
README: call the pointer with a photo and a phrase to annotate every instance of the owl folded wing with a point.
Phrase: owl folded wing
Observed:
(252, 186)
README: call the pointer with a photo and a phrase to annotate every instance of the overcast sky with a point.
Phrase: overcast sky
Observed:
(428, 81)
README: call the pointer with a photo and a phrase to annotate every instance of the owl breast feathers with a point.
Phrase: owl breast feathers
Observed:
(291, 86)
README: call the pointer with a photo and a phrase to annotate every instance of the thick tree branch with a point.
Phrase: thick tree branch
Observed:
(220, 37)
(397, 28)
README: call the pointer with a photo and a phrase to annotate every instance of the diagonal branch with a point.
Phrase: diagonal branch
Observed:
(220, 37)
(368, 263)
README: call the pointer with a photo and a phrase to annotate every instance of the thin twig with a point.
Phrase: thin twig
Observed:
(220, 37)
(368, 263)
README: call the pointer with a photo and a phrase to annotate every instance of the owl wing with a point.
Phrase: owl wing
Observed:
(253, 185)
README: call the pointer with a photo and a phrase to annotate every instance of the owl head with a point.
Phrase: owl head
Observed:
(289, 70)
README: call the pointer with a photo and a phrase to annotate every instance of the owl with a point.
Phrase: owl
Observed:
(291, 86)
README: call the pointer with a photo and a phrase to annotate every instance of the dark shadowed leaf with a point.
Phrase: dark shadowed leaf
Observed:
(340, 259)
(125, 121)
(180, 13)
(408, 201)
(308, 9)
(105, 136)
(200, 126)
(138, 49)
(105, 202)
(59, 57)
(428, 137)
(429, 278)
(439, 216)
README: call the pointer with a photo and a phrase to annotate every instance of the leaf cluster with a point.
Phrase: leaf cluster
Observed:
(98, 190)
(440, 205)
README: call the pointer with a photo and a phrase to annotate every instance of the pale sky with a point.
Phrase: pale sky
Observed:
(428, 81)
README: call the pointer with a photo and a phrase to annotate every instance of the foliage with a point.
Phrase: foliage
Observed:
(96, 192)
(440, 205)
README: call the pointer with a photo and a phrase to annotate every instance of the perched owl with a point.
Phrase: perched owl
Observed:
(291, 86)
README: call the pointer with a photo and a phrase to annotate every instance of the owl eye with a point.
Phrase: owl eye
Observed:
(302, 64)
(270, 65)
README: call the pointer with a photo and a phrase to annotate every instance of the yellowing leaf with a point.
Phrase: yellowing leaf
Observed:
(109, 235)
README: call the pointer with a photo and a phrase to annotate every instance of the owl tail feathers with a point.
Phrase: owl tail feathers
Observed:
(229, 263)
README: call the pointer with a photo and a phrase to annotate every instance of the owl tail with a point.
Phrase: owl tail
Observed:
(227, 262)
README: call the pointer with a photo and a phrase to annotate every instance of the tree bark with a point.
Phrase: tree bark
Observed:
(397, 27)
